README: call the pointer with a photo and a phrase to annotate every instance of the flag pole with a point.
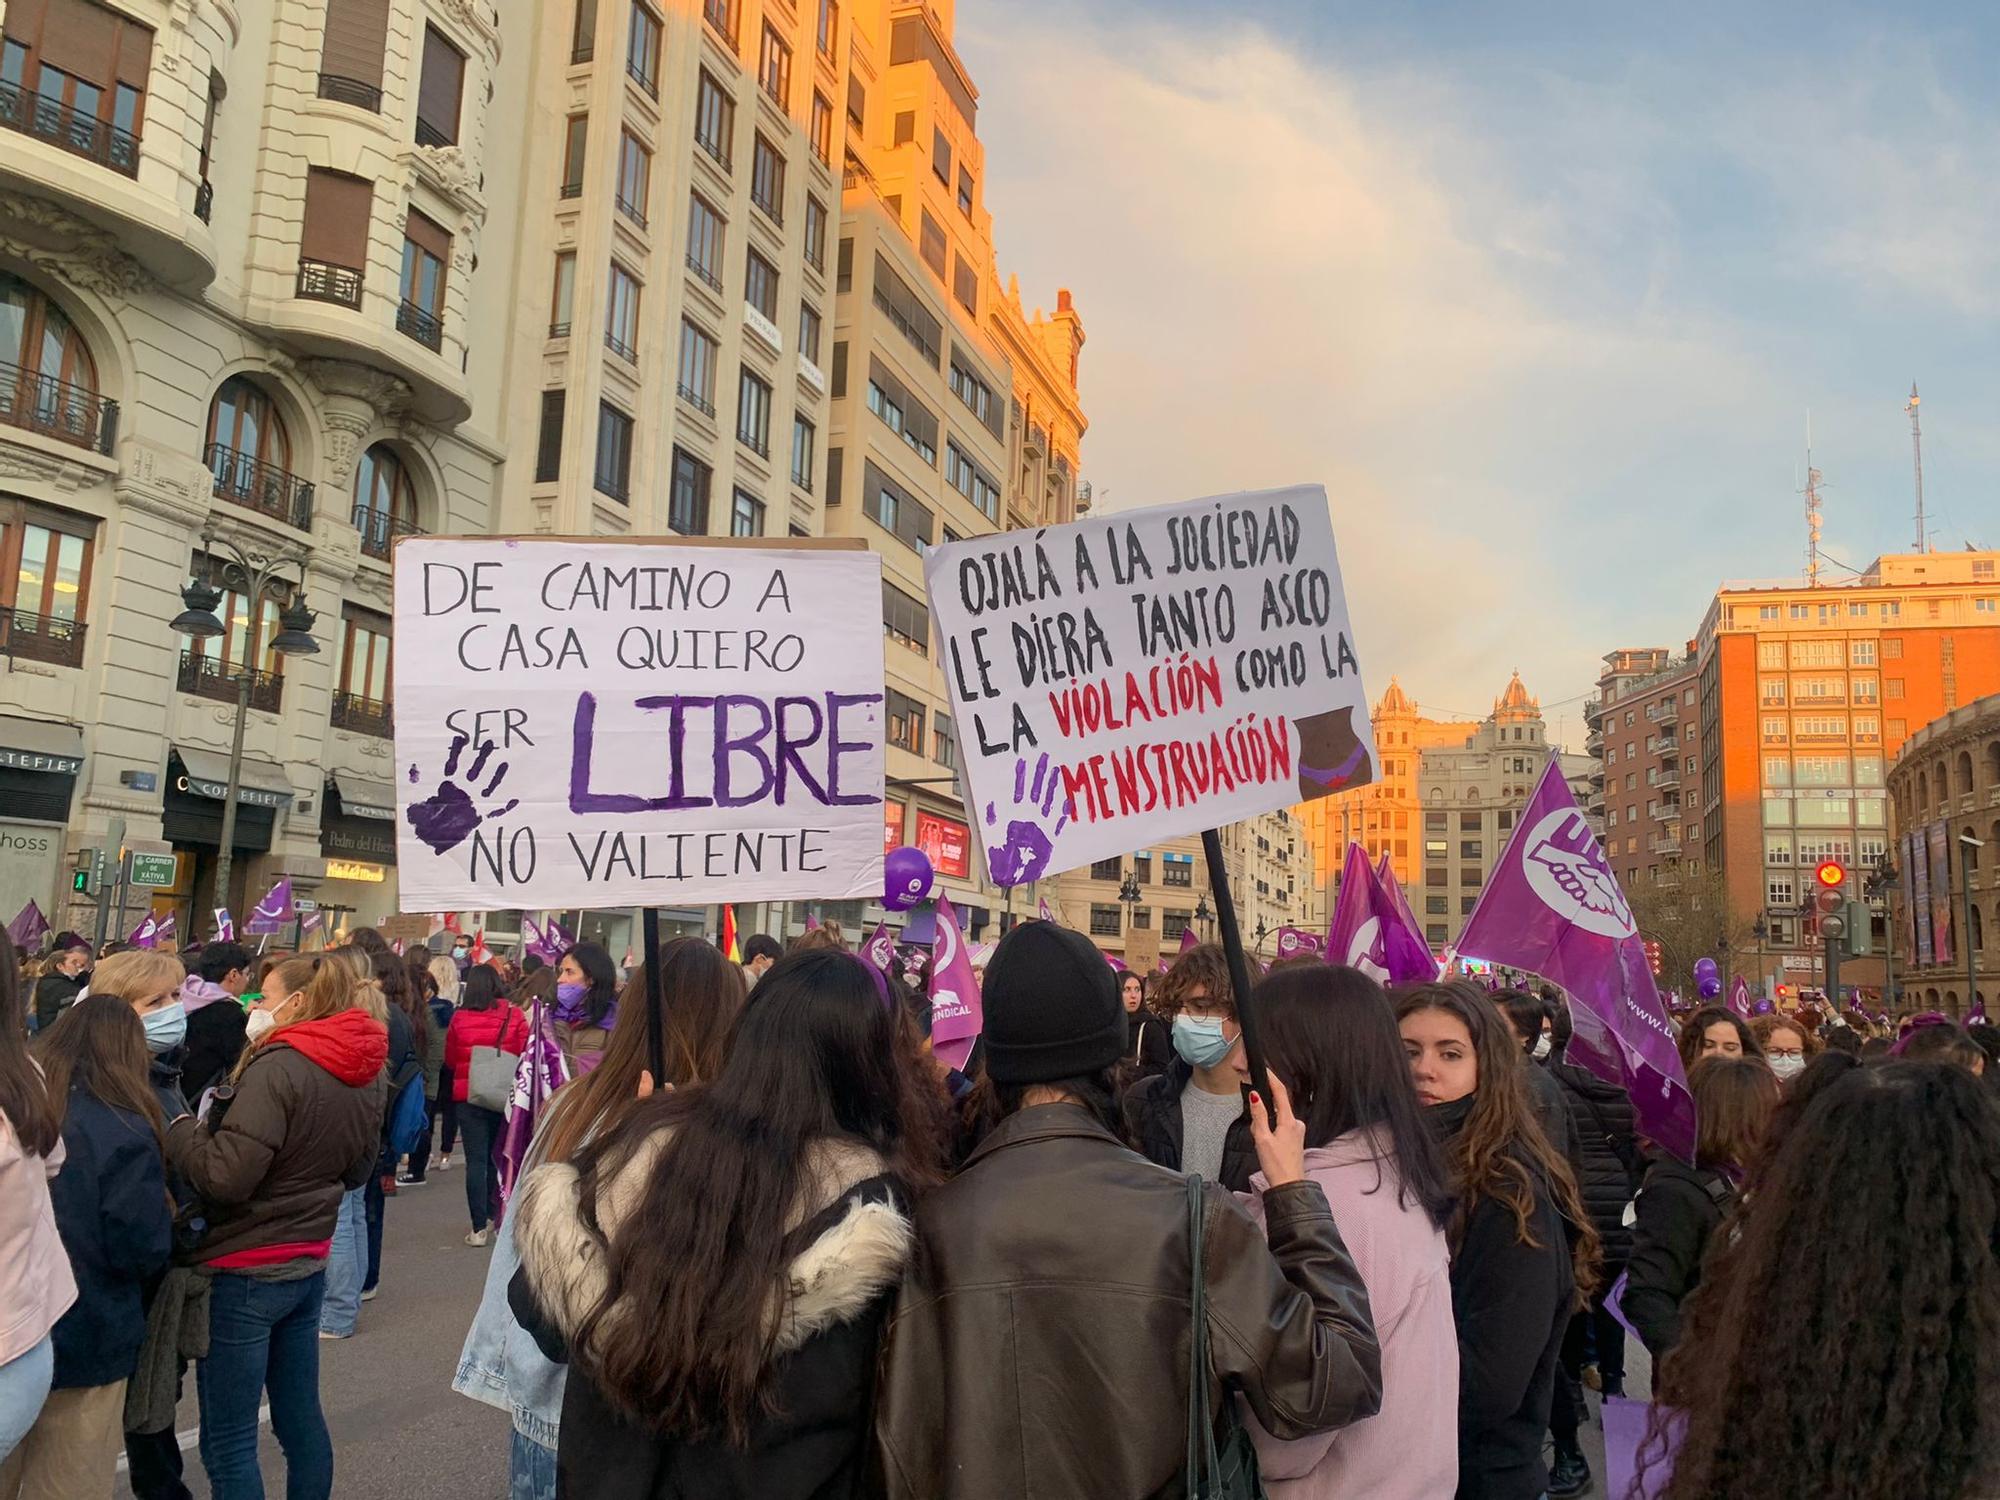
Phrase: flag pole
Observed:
(1239, 968)
(656, 1000)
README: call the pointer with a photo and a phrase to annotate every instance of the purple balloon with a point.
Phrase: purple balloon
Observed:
(1711, 987)
(906, 878)
(1704, 968)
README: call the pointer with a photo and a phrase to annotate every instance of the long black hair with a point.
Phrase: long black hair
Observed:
(601, 974)
(1330, 1034)
(34, 1117)
(480, 990)
(705, 1250)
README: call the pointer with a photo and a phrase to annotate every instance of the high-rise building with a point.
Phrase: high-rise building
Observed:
(1805, 696)
(1644, 779)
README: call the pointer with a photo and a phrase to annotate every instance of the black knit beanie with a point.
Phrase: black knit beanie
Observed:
(1052, 1008)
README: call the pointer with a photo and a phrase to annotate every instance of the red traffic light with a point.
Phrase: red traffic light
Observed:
(1831, 874)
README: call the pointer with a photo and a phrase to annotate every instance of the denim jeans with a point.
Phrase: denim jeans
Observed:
(24, 1386)
(481, 1128)
(263, 1335)
(372, 1201)
(346, 1265)
(531, 1470)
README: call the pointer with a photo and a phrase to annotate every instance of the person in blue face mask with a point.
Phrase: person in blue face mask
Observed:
(1193, 1118)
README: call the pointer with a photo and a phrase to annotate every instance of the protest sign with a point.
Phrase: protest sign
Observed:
(1142, 949)
(587, 723)
(405, 928)
(1130, 678)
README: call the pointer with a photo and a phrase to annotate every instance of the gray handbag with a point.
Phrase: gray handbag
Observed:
(489, 1083)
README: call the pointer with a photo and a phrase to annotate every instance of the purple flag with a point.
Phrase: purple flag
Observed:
(275, 910)
(880, 950)
(1406, 952)
(1293, 941)
(1354, 937)
(956, 1015)
(1739, 997)
(1188, 939)
(812, 922)
(225, 925)
(1047, 915)
(146, 933)
(1553, 908)
(542, 1070)
(29, 927)
(163, 935)
(1117, 964)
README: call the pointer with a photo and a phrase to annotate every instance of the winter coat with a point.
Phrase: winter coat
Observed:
(111, 1208)
(1677, 1213)
(1149, 1043)
(1511, 1302)
(441, 1014)
(36, 1287)
(823, 1347)
(54, 994)
(581, 1043)
(217, 1028)
(1152, 1110)
(1403, 1452)
(1040, 1340)
(302, 1130)
(505, 1026)
(399, 1070)
(1545, 1096)
(1608, 1161)
(164, 1073)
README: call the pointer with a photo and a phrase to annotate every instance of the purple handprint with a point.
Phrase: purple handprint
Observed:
(446, 818)
(1024, 853)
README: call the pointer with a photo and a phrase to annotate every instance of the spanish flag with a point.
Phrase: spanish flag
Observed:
(728, 944)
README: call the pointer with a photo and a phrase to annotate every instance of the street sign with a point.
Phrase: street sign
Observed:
(151, 869)
(304, 903)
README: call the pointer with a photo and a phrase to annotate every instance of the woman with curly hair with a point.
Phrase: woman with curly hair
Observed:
(1713, 1031)
(1787, 1042)
(1523, 1251)
(1896, 1239)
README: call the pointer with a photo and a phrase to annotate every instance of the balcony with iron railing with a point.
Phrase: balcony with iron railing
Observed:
(1668, 745)
(721, 15)
(695, 399)
(263, 487)
(206, 676)
(204, 200)
(354, 91)
(379, 531)
(363, 715)
(51, 639)
(69, 413)
(1669, 713)
(421, 324)
(68, 129)
(1593, 712)
(323, 281)
(708, 277)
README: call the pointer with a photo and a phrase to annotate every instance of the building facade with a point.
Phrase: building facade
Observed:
(1645, 773)
(1944, 804)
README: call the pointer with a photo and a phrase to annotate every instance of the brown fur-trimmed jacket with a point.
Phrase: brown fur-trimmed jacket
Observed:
(826, 1331)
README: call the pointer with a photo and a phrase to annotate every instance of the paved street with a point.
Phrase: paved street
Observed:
(399, 1430)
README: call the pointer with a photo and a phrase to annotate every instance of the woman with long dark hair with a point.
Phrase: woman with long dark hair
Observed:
(1523, 1252)
(1883, 1205)
(717, 1264)
(117, 1225)
(1331, 1032)
(702, 992)
(483, 1019)
(1713, 1031)
(36, 1287)
(586, 1005)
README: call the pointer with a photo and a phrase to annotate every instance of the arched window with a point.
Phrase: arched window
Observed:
(1965, 773)
(385, 500)
(250, 453)
(48, 381)
(1977, 931)
(1923, 791)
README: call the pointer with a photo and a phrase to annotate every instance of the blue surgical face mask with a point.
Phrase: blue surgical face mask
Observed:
(1200, 1042)
(166, 1028)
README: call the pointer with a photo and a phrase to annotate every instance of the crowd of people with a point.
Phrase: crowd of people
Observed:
(802, 1256)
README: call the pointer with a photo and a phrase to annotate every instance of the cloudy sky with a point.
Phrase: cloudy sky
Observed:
(1544, 301)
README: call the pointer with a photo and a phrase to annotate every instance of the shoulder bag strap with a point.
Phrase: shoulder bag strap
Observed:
(1202, 1460)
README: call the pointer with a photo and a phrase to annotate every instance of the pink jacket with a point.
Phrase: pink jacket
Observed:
(1409, 1450)
(36, 1287)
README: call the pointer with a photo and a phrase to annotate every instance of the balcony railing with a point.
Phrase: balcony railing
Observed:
(558, 330)
(44, 638)
(639, 76)
(69, 129)
(620, 348)
(429, 135)
(631, 211)
(73, 413)
(204, 200)
(363, 715)
(721, 14)
(323, 281)
(704, 273)
(353, 91)
(421, 324)
(262, 487)
(209, 677)
(715, 147)
(695, 399)
(379, 531)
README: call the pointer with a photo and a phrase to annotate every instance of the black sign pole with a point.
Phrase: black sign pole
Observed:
(1239, 969)
(656, 1000)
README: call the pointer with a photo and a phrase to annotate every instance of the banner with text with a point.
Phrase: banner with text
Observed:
(1125, 679)
(588, 723)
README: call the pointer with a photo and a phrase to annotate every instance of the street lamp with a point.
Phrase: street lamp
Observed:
(253, 575)
(1259, 936)
(1128, 892)
(1880, 885)
(1967, 844)
(1202, 915)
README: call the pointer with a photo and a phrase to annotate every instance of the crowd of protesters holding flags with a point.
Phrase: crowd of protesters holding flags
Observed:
(809, 1259)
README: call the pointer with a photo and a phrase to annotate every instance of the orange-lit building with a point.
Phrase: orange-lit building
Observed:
(1805, 696)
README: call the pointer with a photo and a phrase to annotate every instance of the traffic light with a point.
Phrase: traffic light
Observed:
(89, 872)
(1830, 881)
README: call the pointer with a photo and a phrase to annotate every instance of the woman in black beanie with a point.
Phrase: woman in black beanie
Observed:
(1058, 1257)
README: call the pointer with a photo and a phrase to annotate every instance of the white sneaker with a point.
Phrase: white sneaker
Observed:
(442, 1164)
(369, 1295)
(480, 1237)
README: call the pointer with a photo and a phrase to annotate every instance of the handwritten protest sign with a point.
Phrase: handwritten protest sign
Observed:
(581, 722)
(1121, 680)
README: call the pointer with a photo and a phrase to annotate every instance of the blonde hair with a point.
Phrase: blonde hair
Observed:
(445, 973)
(368, 996)
(324, 988)
(137, 975)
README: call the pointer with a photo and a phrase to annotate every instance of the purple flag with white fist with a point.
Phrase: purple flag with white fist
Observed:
(1739, 998)
(1553, 908)
(542, 1070)
(146, 933)
(1294, 941)
(225, 925)
(1047, 915)
(956, 1015)
(880, 950)
(276, 910)
(29, 926)
(1354, 937)
(1406, 952)
(163, 935)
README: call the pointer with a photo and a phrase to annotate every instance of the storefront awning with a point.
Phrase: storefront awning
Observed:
(40, 745)
(361, 798)
(205, 773)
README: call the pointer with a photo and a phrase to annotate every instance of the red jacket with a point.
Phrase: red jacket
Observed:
(504, 1026)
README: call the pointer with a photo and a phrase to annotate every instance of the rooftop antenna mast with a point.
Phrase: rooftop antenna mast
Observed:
(1917, 457)
(1812, 512)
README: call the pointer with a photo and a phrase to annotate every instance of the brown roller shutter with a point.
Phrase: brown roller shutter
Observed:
(428, 234)
(338, 208)
(357, 34)
(135, 54)
(444, 80)
(79, 38)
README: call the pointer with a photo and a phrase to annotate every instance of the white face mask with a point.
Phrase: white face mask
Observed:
(1786, 1067)
(1541, 1046)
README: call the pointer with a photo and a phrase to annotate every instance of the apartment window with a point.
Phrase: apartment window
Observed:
(1469, 849)
(621, 315)
(833, 458)
(941, 156)
(970, 480)
(803, 436)
(965, 285)
(687, 495)
(426, 252)
(857, 102)
(642, 50)
(350, 54)
(440, 91)
(635, 170)
(904, 415)
(844, 270)
(573, 143)
(704, 251)
(1862, 653)
(45, 565)
(613, 472)
(1892, 646)
(829, 25)
(364, 657)
(906, 309)
(753, 414)
(906, 723)
(746, 515)
(1894, 687)
(583, 32)
(815, 233)
(548, 443)
(905, 127)
(895, 509)
(1178, 872)
(976, 394)
(86, 70)
(767, 179)
(837, 377)
(714, 118)
(333, 241)
(721, 14)
(809, 333)
(699, 354)
(905, 619)
(760, 285)
(822, 128)
(562, 297)
(931, 244)
(774, 67)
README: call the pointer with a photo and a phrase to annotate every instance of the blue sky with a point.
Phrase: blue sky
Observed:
(1542, 294)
